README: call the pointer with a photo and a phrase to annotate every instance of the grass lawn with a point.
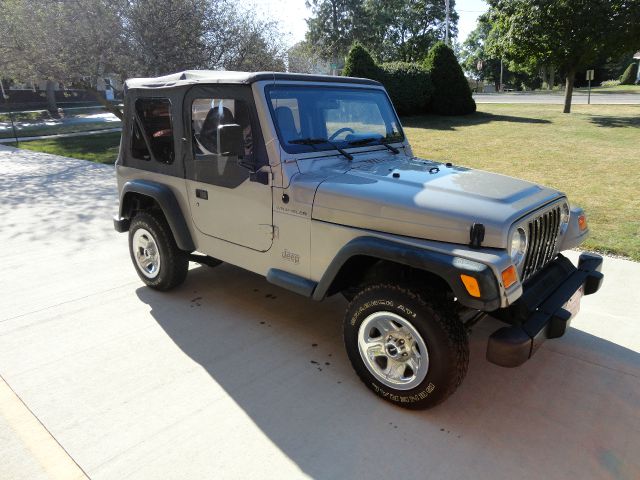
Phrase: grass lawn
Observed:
(616, 89)
(592, 154)
(100, 148)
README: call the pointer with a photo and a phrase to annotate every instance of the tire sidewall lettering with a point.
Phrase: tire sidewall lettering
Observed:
(415, 397)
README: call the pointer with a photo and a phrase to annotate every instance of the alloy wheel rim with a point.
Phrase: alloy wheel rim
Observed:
(146, 253)
(393, 350)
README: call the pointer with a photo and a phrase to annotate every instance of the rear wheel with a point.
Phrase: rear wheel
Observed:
(159, 262)
(408, 348)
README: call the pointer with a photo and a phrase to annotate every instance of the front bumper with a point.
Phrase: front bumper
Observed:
(549, 302)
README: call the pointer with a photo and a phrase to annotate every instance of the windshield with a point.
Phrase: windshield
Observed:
(312, 118)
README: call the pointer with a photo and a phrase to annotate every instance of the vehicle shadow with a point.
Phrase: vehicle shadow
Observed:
(438, 122)
(279, 356)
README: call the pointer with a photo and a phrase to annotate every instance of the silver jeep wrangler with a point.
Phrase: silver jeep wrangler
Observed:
(311, 182)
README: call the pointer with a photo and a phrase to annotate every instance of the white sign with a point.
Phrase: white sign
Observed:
(590, 74)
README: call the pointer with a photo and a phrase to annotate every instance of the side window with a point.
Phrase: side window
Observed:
(207, 114)
(153, 130)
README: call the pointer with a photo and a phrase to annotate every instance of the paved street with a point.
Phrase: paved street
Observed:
(579, 98)
(231, 377)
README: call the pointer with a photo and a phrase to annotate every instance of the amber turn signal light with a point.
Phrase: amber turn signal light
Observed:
(471, 284)
(509, 276)
(582, 222)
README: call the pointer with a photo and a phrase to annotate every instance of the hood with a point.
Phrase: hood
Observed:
(425, 199)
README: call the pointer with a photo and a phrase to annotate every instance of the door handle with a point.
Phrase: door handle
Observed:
(203, 194)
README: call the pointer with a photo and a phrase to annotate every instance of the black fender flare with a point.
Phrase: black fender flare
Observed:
(447, 267)
(167, 201)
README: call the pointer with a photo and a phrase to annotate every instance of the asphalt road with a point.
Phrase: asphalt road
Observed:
(579, 98)
(107, 379)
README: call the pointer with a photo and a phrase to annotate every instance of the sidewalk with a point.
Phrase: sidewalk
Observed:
(61, 135)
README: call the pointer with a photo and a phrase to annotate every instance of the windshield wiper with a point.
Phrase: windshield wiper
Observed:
(317, 141)
(367, 140)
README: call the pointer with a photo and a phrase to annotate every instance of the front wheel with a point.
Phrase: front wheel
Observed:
(154, 253)
(408, 347)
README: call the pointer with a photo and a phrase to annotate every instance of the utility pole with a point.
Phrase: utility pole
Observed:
(501, 72)
(446, 33)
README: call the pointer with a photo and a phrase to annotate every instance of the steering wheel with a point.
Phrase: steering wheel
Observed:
(341, 130)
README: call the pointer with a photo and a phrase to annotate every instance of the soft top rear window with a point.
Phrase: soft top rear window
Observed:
(153, 130)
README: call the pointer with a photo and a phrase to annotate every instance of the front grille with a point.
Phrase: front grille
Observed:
(543, 236)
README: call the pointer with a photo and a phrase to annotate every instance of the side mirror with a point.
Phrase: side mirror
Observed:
(230, 140)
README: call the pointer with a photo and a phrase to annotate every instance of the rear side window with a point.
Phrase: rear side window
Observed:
(153, 130)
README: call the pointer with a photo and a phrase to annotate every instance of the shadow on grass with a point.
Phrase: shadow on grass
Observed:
(615, 122)
(437, 122)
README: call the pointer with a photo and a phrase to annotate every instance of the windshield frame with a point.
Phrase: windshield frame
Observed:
(301, 149)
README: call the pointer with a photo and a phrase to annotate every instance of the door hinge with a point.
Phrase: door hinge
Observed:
(267, 230)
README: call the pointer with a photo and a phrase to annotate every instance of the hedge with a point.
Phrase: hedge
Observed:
(452, 95)
(408, 84)
(437, 85)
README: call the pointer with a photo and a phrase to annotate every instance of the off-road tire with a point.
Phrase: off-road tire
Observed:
(174, 263)
(435, 320)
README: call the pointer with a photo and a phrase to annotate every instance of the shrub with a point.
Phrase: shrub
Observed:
(630, 74)
(452, 95)
(610, 83)
(409, 86)
(360, 63)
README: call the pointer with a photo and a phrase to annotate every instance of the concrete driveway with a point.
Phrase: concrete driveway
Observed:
(231, 377)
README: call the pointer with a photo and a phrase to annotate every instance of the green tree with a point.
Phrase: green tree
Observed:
(302, 58)
(475, 52)
(569, 34)
(394, 30)
(79, 41)
(452, 95)
(360, 63)
(60, 41)
(335, 25)
(165, 36)
(404, 30)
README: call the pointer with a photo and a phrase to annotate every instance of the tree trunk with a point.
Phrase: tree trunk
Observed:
(545, 77)
(552, 76)
(568, 91)
(110, 107)
(52, 106)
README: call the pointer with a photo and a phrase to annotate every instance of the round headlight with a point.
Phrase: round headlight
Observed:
(518, 246)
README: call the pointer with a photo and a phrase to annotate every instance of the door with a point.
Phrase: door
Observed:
(226, 202)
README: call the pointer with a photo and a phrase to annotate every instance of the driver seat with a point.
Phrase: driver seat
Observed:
(286, 124)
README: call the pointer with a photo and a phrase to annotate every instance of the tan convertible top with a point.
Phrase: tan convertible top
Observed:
(192, 77)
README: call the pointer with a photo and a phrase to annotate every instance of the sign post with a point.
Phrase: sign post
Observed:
(589, 78)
